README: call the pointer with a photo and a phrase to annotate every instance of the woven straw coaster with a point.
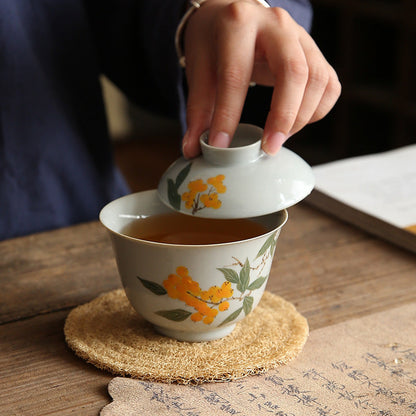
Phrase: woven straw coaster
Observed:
(108, 333)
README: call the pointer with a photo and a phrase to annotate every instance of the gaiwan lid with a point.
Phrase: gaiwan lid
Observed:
(241, 181)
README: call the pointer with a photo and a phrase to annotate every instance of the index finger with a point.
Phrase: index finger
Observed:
(235, 59)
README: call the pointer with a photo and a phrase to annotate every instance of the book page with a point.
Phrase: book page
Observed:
(362, 367)
(382, 185)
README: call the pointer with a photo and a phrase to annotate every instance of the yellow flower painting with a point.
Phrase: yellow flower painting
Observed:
(200, 194)
(205, 302)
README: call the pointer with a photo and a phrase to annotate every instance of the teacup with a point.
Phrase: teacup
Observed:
(190, 292)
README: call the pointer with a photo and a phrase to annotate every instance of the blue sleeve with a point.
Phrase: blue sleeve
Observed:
(300, 10)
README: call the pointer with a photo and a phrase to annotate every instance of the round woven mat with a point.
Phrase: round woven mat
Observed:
(108, 333)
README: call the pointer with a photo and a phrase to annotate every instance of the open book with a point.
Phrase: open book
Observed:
(376, 193)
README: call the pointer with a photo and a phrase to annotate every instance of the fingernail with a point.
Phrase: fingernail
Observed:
(190, 147)
(221, 139)
(273, 143)
(185, 143)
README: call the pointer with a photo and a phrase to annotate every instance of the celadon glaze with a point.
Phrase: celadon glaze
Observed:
(236, 182)
(189, 292)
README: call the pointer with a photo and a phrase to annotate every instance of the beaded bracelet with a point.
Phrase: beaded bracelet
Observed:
(194, 5)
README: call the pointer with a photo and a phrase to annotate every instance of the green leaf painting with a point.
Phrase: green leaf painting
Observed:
(173, 186)
(268, 244)
(153, 287)
(248, 304)
(230, 275)
(244, 277)
(231, 317)
(173, 195)
(258, 283)
(182, 175)
(177, 315)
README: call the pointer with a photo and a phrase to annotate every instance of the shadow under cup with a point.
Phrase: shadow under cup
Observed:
(189, 292)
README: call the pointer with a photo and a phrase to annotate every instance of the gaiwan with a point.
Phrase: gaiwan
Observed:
(194, 255)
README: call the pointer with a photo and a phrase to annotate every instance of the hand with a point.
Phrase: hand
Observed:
(230, 43)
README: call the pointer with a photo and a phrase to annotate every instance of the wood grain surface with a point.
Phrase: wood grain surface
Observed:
(331, 271)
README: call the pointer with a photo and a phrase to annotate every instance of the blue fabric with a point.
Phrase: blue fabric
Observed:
(300, 10)
(56, 166)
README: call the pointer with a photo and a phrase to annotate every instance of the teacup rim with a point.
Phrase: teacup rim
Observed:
(278, 227)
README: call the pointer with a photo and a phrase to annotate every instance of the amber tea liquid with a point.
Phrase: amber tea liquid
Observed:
(175, 228)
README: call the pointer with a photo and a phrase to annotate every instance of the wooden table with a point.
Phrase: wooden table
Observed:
(329, 270)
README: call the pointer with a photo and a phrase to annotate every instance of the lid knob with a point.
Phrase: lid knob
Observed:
(245, 147)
